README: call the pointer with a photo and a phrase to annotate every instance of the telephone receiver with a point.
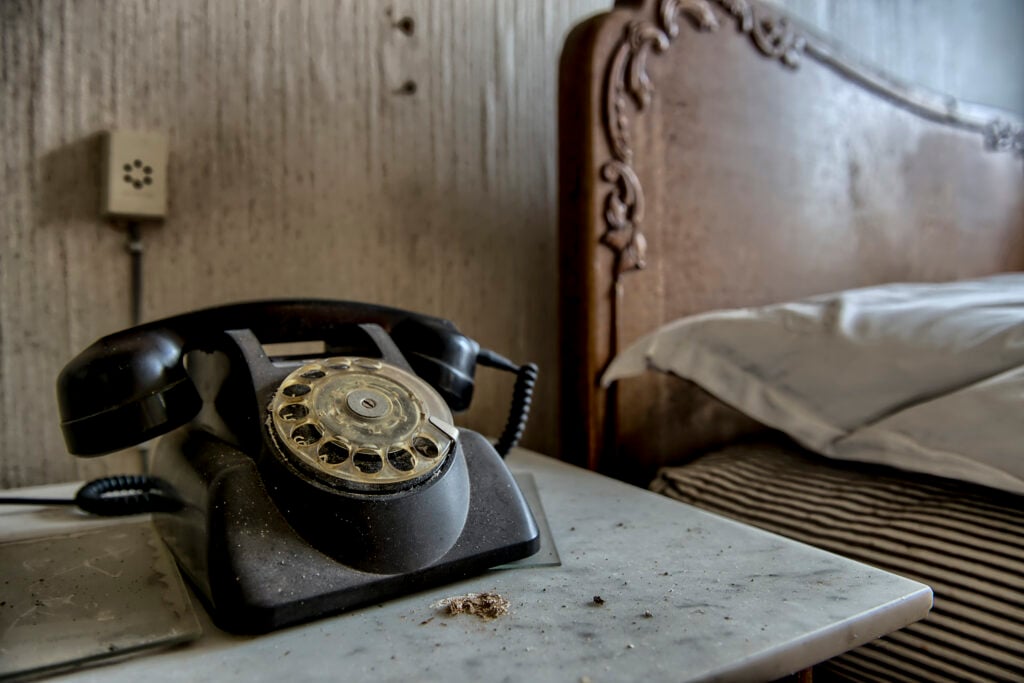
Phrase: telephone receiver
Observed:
(312, 484)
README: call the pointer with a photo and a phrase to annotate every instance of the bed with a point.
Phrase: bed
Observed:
(717, 156)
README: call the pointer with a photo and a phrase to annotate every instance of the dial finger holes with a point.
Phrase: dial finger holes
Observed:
(293, 411)
(294, 390)
(401, 460)
(368, 462)
(425, 447)
(359, 424)
(306, 434)
(334, 453)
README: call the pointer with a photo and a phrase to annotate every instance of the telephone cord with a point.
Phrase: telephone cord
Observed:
(115, 496)
(519, 412)
(522, 397)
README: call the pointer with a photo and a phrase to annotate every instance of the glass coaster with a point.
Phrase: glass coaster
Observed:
(75, 598)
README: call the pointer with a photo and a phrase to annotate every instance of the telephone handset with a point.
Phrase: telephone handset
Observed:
(307, 485)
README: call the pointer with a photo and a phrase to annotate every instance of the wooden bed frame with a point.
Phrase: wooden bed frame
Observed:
(714, 154)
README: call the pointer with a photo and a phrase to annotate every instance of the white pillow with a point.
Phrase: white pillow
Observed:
(975, 434)
(820, 368)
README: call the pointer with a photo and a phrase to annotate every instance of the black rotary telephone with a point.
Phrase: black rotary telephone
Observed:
(291, 488)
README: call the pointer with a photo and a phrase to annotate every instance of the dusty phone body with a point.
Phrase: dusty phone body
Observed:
(308, 486)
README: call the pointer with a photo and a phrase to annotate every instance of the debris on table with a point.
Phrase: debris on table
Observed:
(598, 600)
(484, 605)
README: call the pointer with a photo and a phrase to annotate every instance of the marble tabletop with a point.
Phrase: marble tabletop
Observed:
(648, 589)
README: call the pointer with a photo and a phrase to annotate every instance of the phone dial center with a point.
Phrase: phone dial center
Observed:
(368, 403)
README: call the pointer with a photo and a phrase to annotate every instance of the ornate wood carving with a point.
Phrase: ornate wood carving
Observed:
(628, 87)
(1002, 136)
(623, 214)
(772, 35)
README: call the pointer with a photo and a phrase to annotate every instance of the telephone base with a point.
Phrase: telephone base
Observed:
(257, 574)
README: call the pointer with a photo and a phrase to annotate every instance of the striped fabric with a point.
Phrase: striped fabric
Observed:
(966, 542)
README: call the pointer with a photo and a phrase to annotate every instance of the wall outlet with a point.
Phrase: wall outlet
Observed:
(134, 174)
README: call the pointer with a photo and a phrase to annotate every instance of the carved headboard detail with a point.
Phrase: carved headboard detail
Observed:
(627, 81)
(667, 183)
(775, 36)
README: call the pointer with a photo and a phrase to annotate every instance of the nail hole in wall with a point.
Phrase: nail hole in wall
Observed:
(408, 88)
(406, 25)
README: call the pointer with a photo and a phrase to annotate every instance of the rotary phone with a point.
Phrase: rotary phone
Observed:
(289, 488)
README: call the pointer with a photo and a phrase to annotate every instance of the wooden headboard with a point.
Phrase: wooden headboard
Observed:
(714, 155)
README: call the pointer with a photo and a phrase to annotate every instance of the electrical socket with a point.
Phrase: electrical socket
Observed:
(134, 174)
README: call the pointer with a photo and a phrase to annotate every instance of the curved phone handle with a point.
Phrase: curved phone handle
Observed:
(132, 386)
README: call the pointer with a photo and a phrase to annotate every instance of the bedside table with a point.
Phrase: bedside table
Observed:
(648, 589)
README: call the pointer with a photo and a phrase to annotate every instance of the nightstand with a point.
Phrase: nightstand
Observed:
(648, 589)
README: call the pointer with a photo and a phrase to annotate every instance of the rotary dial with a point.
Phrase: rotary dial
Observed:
(361, 421)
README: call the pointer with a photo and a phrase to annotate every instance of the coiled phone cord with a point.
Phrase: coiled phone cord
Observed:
(126, 494)
(522, 397)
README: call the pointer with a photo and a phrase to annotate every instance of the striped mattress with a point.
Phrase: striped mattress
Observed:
(966, 542)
